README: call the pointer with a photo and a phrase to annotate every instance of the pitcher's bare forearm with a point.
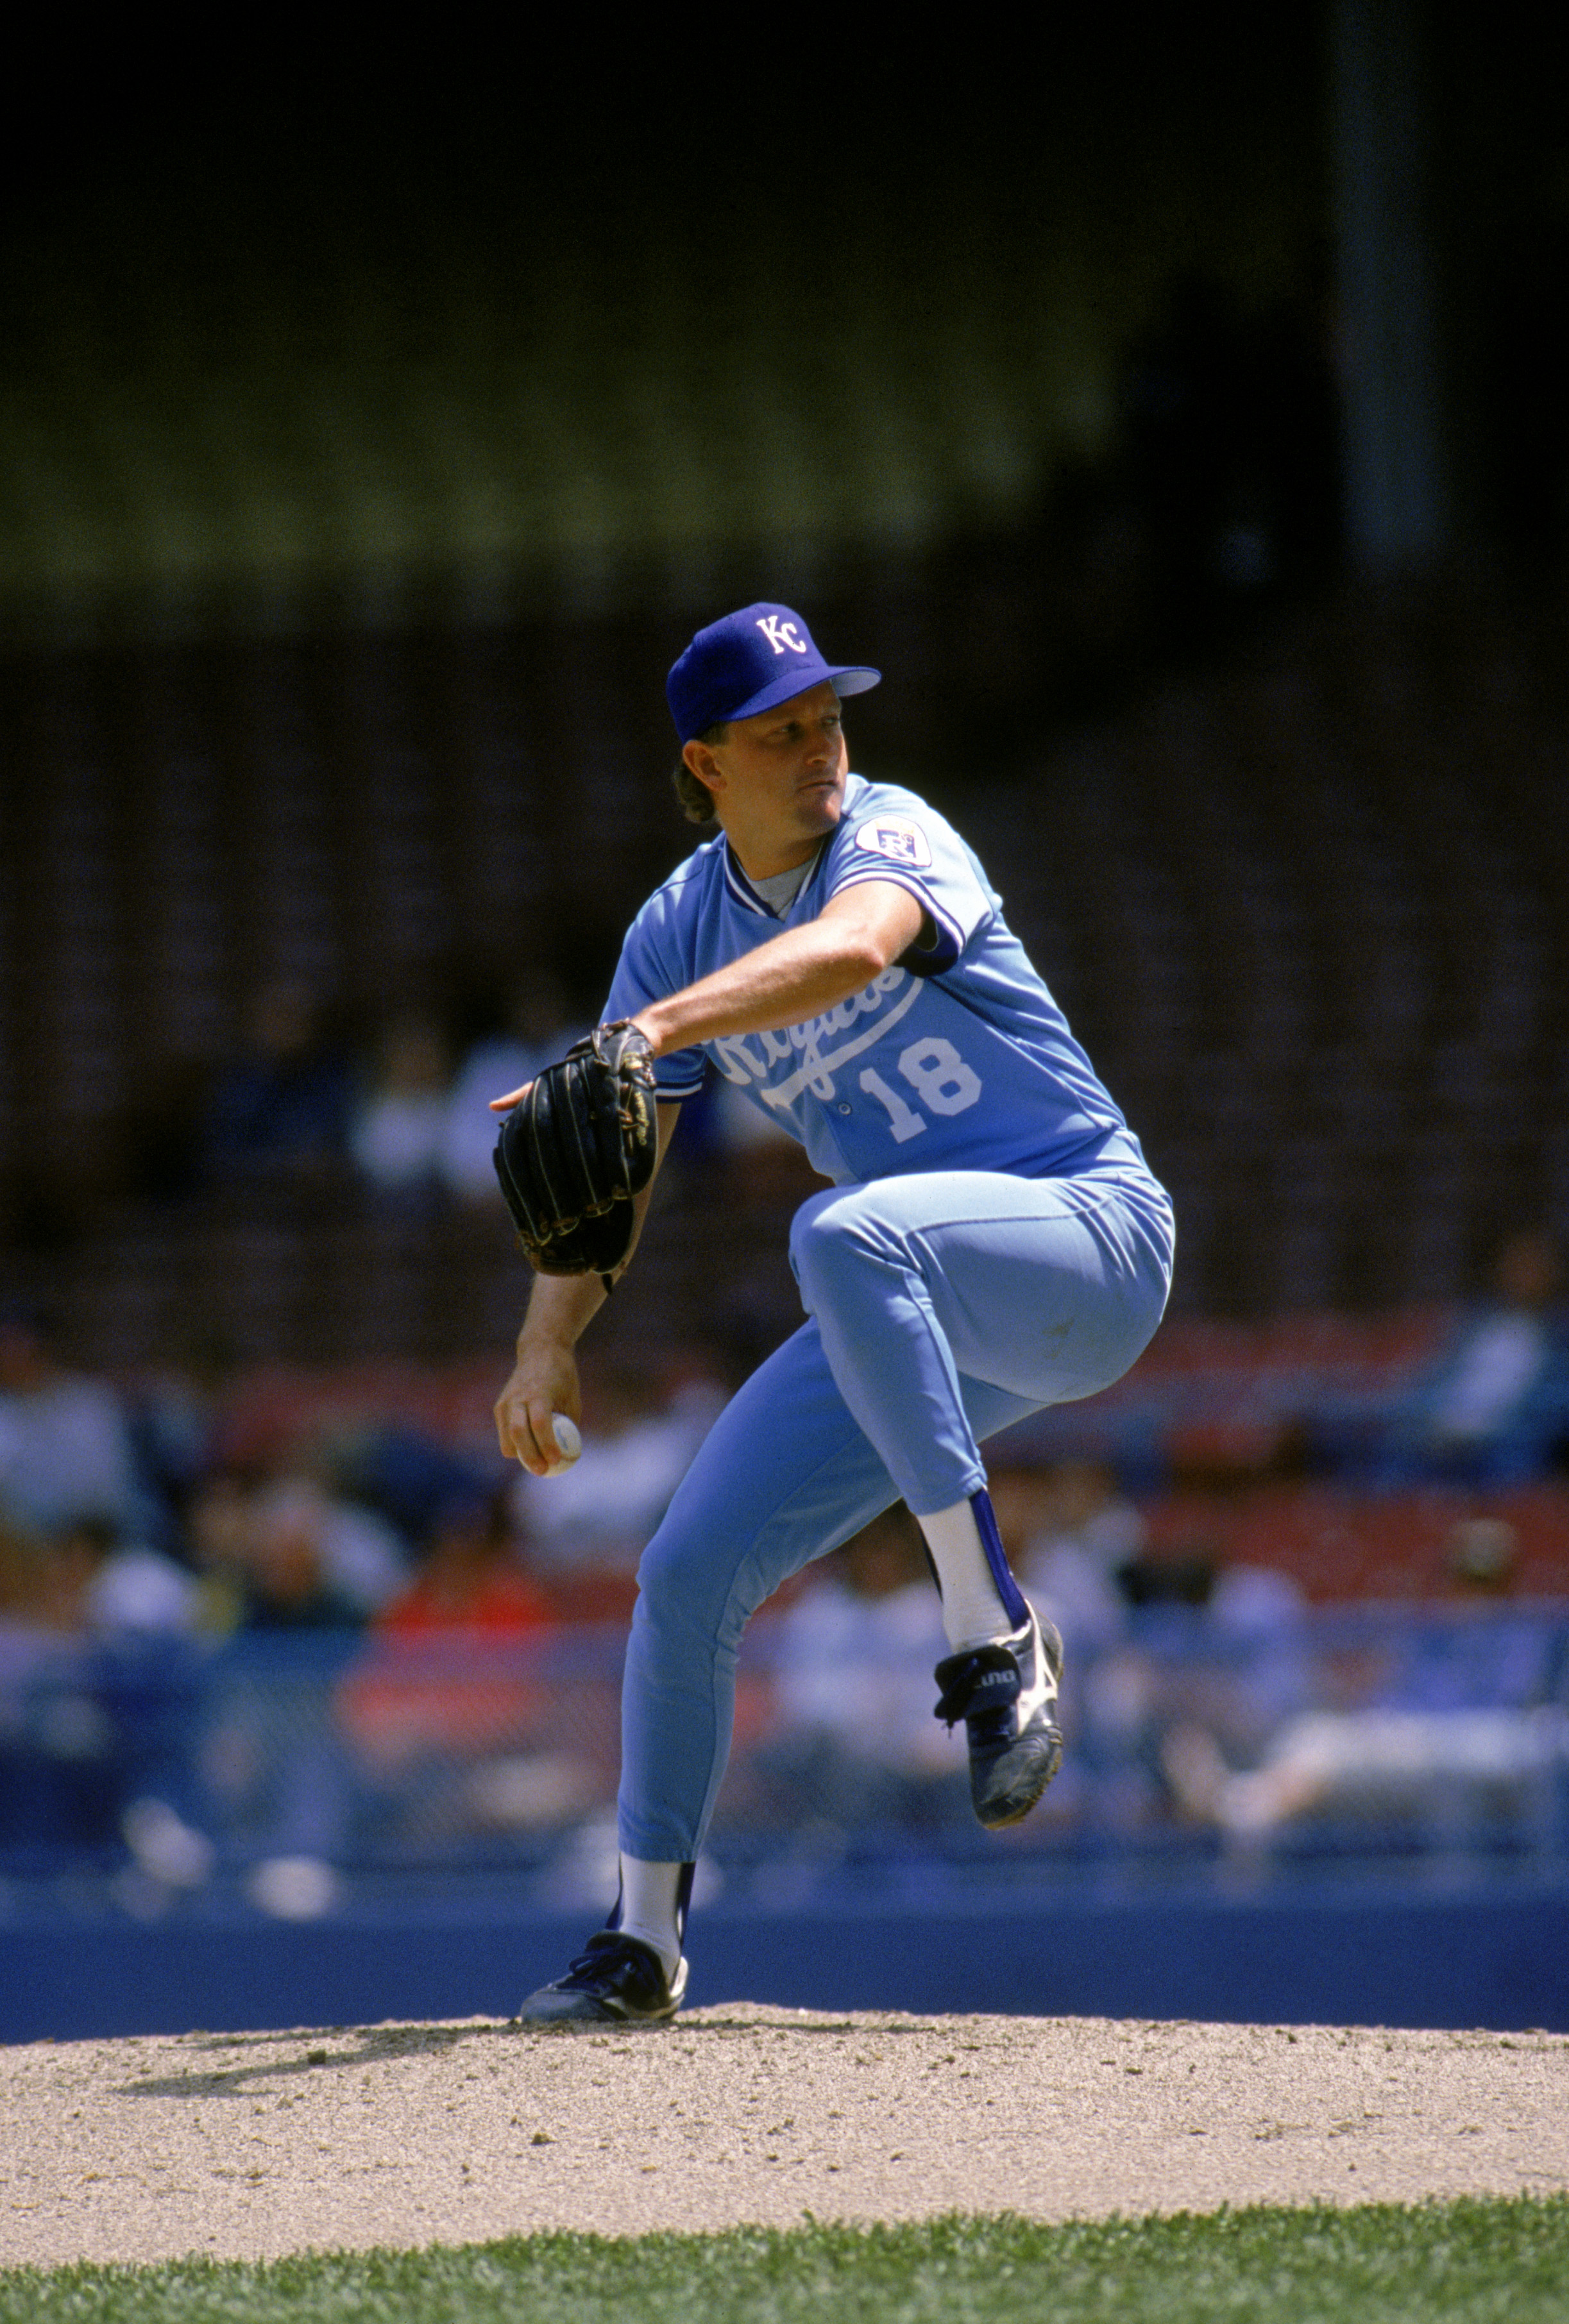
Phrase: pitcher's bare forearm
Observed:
(795, 976)
(560, 1311)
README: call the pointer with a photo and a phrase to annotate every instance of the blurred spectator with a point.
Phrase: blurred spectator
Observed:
(361, 1559)
(289, 1585)
(472, 1580)
(637, 1446)
(449, 1694)
(289, 1573)
(280, 1108)
(1483, 1556)
(1502, 1662)
(1494, 1408)
(65, 1449)
(403, 1473)
(82, 1580)
(398, 1132)
(218, 1541)
(1068, 1530)
(172, 1415)
(56, 1790)
(471, 1593)
(44, 1579)
(539, 1026)
(855, 1740)
(97, 1705)
(1212, 1659)
(127, 1589)
(1451, 1731)
(18, 1550)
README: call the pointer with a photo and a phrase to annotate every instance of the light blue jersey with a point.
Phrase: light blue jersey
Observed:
(954, 1058)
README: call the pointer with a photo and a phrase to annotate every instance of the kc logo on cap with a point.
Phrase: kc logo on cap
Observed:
(781, 634)
(750, 662)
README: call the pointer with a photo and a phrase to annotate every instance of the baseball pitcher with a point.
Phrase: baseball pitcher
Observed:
(992, 1241)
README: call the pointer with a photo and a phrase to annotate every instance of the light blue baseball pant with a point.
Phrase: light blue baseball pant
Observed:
(942, 1306)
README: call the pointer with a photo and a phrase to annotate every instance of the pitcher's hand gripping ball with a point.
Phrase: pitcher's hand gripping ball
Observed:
(569, 1446)
(574, 1152)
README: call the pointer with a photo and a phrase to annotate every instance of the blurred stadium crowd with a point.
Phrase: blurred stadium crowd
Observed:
(291, 1630)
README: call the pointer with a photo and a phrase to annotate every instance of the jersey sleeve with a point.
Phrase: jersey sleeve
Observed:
(908, 843)
(641, 977)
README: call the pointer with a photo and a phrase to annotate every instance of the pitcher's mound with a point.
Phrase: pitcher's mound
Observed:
(251, 2145)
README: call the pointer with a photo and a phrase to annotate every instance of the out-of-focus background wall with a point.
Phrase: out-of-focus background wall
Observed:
(1172, 409)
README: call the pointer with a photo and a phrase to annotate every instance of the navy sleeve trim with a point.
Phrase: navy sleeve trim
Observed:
(950, 943)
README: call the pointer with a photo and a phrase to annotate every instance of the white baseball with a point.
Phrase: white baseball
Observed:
(569, 1443)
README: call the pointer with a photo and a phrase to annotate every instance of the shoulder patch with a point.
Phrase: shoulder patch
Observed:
(896, 837)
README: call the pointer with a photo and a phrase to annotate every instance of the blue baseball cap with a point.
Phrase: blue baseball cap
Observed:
(749, 662)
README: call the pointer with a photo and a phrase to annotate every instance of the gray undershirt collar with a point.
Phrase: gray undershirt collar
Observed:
(779, 891)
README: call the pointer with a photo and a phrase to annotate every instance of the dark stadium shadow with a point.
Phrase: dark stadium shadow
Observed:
(362, 2046)
(284, 2057)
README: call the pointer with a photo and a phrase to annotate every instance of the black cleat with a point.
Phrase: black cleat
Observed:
(616, 1980)
(1006, 1695)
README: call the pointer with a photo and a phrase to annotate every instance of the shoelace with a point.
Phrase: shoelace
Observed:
(594, 1965)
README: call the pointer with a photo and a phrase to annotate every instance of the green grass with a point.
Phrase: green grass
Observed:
(1469, 2260)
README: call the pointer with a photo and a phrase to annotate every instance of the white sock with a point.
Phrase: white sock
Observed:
(650, 1908)
(974, 1614)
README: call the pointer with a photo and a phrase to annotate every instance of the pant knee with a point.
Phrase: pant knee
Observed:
(808, 1239)
(693, 1593)
(826, 1240)
(672, 1571)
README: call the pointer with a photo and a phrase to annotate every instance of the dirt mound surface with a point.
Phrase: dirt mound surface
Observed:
(251, 2145)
